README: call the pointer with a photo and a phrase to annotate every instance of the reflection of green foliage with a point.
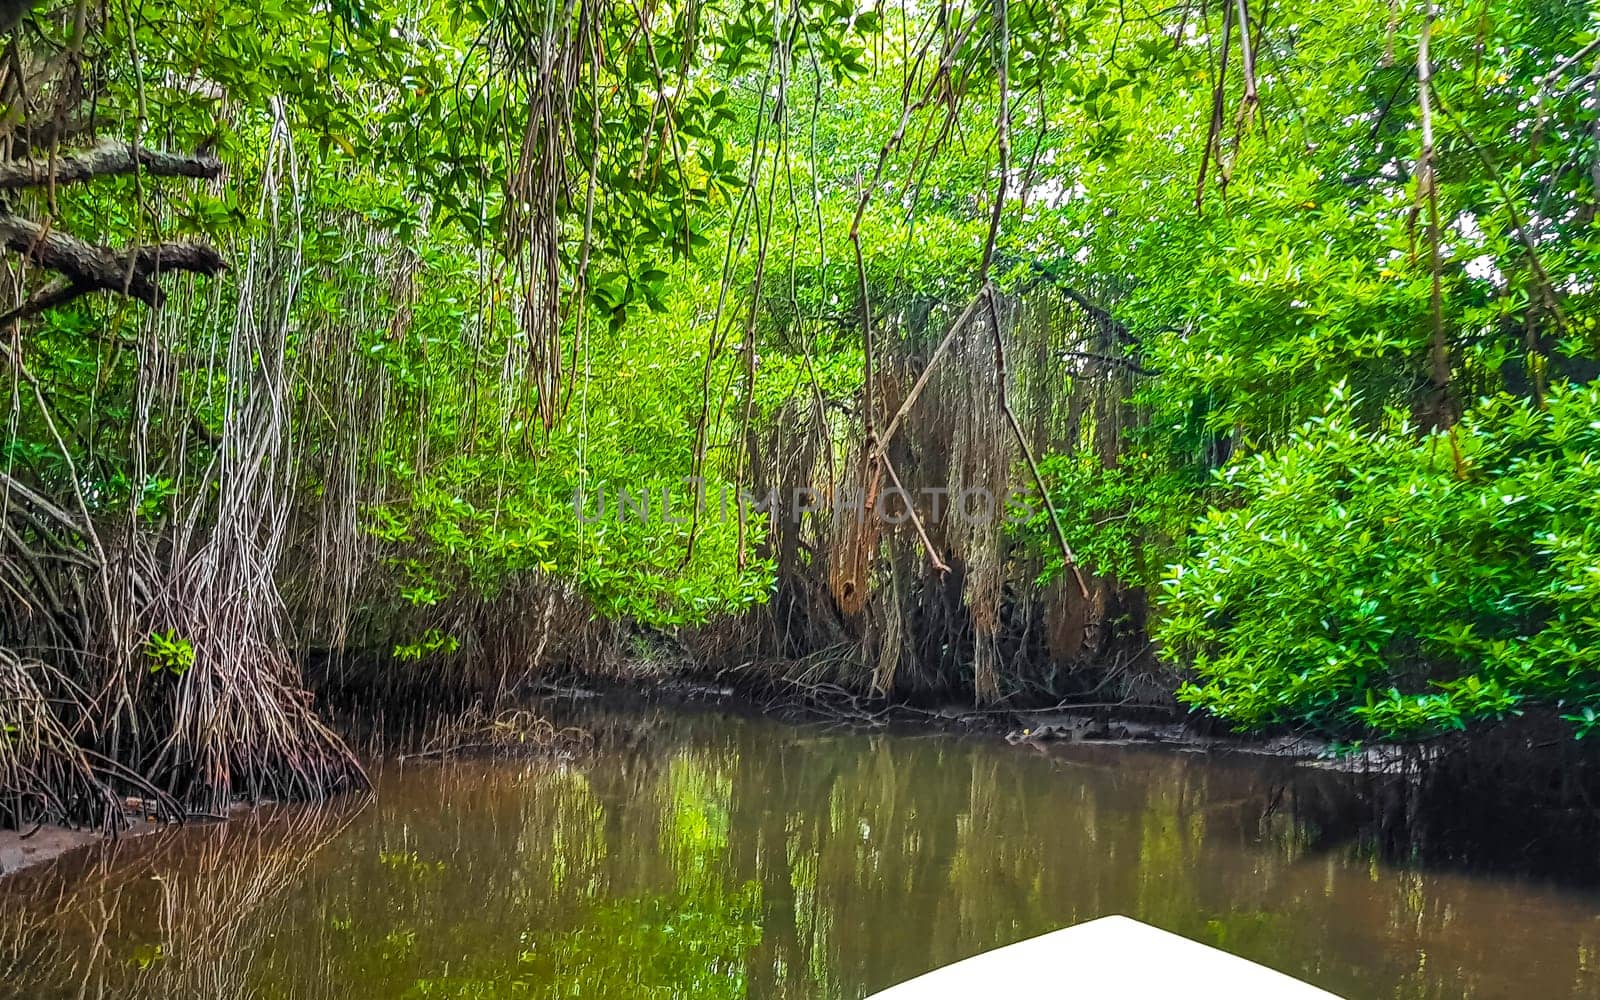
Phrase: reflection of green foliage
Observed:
(833, 867)
(1166, 839)
(409, 864)
(577, 831)
(399, 943)
(147, 956)
(698, 830)
(682, 945)
(1244, 930)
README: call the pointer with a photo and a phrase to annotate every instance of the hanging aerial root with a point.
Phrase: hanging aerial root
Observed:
(855, 542)
(213, 697)
(250, 733)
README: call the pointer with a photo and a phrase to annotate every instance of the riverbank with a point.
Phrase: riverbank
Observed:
(1408, 789)
(1067, 723)
(21, 850)
(471, 732)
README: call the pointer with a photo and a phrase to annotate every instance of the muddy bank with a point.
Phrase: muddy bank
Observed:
(524, 732)
(20, 849)
(24, 849)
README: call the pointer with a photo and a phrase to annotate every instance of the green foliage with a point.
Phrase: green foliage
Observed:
(1373, 581)
(486, 509)
(735, 186)
(431, 642)
(1120, 520)
(168, 653)
(1349, 572)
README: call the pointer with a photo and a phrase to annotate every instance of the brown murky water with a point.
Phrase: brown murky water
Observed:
(724, 857)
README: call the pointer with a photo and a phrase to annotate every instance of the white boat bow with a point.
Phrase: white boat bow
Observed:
(1112, 958)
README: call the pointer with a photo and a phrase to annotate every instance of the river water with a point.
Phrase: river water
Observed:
(714, 856)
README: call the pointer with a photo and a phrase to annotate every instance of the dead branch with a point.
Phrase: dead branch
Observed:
(927, 369)
(106, 159)
(86, 267)
(939, 565)
(1068, 559)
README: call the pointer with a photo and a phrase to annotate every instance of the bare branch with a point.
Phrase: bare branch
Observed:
(85, 267)
(1068, 560)
(106, 159)
(58, 292)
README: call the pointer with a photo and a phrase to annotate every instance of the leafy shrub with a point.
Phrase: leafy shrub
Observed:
(1122, 520)
(1401, 585)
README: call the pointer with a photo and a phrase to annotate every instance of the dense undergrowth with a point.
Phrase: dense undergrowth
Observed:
(1374, 579)
(1235, 356)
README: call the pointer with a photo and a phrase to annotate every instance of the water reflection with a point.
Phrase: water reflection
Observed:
(723, 858)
